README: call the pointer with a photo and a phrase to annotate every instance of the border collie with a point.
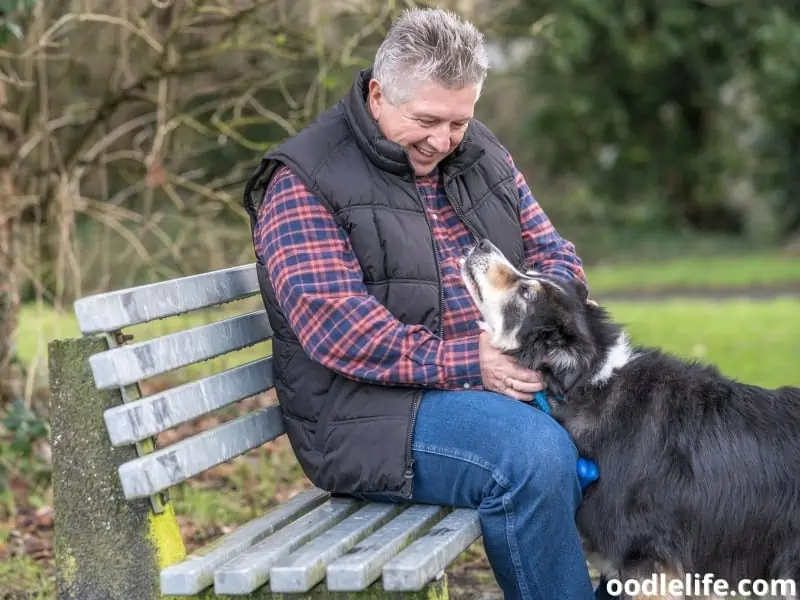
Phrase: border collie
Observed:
(699, 474)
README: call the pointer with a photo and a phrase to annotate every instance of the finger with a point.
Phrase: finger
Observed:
(511, 392)
(526, 375)
(521, 390)
(528, 387)
(520, 396)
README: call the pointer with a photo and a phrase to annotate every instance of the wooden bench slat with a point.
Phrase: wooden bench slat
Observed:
(116, 310)
(196, 573)
(251, 569)
(361, 566)
(304, 568)
(423, 560)
(152, 473)
(134, 362)
(146, 417)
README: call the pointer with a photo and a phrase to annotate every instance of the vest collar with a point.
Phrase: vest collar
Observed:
(388, 155)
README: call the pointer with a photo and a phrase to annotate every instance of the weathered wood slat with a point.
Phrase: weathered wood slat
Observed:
(197, 572)
(423, 560)
(134, 362)
(152, 473)
(146, 417)
(361, 566)
(304, 568)
(251, 569)
(122, 308)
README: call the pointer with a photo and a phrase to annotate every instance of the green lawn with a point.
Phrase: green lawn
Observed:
(707, 272)
(756, 342)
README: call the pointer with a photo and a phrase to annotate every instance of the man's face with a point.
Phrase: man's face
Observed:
(430, 125)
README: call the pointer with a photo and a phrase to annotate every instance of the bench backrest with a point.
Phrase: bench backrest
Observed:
(125, 365)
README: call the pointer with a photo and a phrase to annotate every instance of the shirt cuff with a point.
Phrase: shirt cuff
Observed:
(461, 361)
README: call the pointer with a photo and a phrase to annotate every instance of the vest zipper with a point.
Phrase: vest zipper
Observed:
(476, 237)
(409, 472)
(435, 257)
(460, 214)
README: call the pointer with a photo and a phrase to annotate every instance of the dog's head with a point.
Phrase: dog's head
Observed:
(546, 323)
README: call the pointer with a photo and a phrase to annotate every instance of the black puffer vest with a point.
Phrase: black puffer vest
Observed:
(352, 437)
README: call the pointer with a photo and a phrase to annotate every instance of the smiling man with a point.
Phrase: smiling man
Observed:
(388, 386)
(429, 121)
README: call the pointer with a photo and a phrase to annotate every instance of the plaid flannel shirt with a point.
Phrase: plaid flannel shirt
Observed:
(319, 286)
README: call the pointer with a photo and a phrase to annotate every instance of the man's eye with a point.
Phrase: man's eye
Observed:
(426, 122)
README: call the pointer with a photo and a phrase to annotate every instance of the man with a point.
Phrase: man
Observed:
(388, 387)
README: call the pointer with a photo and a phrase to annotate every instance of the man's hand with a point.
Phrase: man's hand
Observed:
(501, 374)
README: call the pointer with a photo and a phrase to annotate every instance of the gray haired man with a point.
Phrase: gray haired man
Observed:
(389, 388)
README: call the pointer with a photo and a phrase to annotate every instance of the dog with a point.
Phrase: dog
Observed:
(699, 473)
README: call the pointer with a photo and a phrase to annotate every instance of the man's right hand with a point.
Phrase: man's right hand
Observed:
(500, 373)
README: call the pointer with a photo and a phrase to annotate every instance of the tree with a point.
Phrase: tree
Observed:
(648, 104)
(12, 12)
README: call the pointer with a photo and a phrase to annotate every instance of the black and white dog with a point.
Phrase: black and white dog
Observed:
(699, 474)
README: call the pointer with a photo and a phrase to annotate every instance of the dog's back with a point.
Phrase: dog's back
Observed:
(699, 474)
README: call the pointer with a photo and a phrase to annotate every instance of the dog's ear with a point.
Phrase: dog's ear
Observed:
(534, 346)
(582, 290)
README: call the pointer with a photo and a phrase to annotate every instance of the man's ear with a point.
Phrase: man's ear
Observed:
(376, 98)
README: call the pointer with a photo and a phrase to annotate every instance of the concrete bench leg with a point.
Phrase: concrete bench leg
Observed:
(106, 548)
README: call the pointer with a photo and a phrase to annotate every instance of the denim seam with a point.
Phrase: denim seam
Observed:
(514, 547)
(501, 479)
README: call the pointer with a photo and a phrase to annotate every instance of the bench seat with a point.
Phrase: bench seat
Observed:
(346, 543)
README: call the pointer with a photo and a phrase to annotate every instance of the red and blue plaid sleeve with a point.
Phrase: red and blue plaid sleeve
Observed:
(545, 250)
(319, 286)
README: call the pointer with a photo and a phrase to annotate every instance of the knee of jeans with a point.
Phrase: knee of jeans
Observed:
(548, 458)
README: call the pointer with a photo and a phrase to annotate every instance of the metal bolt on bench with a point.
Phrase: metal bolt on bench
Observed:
(117, 536)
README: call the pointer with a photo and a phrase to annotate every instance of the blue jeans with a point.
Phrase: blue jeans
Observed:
(517, 467)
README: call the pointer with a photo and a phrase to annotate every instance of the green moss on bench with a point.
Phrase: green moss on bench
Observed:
(105, 547)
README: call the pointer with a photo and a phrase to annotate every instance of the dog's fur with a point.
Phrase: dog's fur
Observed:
(698, 473)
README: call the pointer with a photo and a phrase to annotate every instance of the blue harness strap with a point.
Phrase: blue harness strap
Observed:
(588, 471)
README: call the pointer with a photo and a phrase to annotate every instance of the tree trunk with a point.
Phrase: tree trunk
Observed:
(9, 298)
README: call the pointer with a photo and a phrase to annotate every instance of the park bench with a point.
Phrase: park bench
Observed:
(116, 530)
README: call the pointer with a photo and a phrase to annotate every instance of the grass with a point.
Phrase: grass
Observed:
(23, 578)
(756, 342)
(708, 272)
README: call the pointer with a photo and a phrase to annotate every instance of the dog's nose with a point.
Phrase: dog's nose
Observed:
(485, 245)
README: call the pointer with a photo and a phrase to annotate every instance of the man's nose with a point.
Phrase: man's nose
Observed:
(440, 140)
